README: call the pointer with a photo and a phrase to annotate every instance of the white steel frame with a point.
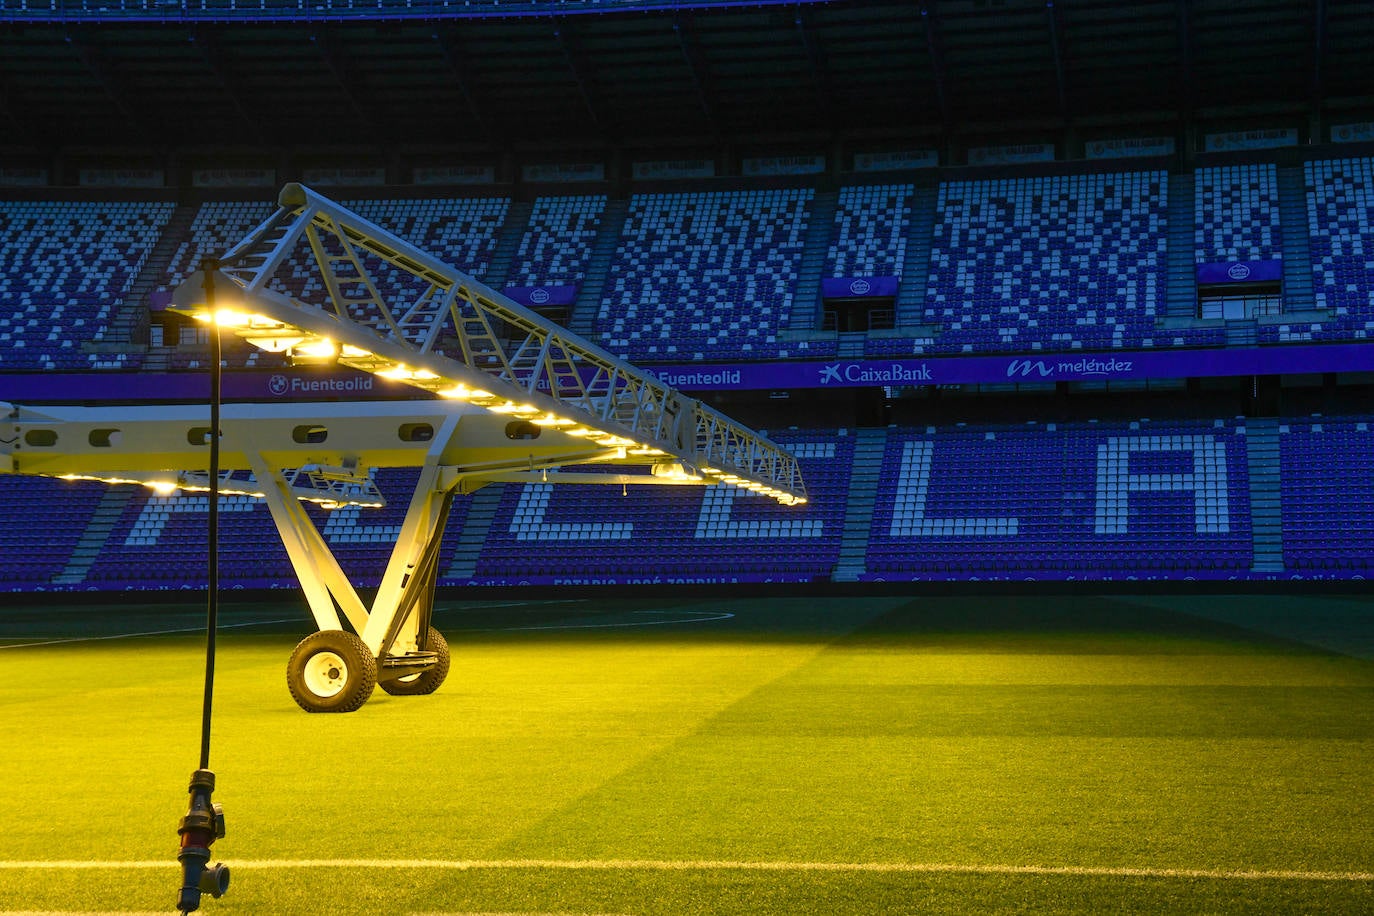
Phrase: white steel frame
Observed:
(457, 448)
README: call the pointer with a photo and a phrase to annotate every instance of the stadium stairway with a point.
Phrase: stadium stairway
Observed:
(476, 527)
(1266, 507)
(131, 322)
(1180, 292)
(512, 231)
(911, 296)
(95, 534)
(1241, 333)
(588, 305)
(806, 306)
(1297, 243)
(851, 344)
(869, 445)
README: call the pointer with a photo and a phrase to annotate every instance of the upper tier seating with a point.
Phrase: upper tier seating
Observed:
(1095, 499)
(1236, 218)
(871, 227)
(459, 231)
(705, 276)
(64, 269)
(555, 248)
(1340, 201)
(1056, 263)
(1047, 264)
(1326, 466)
(1236, 214)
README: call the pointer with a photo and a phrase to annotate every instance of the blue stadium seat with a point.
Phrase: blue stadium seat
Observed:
(1328, 524)
(705, 276)
(65, 267)
(558, 243)
(1049, 264)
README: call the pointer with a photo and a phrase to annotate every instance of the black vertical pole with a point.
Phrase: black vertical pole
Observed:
(210, 265)
(204, 822)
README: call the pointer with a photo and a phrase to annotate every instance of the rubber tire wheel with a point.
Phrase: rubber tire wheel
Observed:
(427, 681)
(331, 671)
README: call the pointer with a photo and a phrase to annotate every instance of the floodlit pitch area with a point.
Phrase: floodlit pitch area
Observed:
(874, 755)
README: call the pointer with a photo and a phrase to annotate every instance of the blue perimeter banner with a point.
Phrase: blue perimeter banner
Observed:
(306, 385)
(1040, 367)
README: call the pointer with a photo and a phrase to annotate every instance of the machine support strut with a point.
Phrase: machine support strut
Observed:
(400, 613)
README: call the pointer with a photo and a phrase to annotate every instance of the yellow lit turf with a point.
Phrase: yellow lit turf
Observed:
(1102, 734)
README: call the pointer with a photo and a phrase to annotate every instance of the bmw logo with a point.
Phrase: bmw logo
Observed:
(860, 287)
(278, 384)
(539, 296)
(1238, 272)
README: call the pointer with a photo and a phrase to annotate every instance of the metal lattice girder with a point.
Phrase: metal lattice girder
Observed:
(388, 308)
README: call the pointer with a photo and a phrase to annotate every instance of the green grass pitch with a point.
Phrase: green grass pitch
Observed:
(713, 755)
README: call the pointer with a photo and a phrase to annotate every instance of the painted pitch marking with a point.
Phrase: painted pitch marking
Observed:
(918, 868)
(199, 629)
(706, 617)
(499, 604)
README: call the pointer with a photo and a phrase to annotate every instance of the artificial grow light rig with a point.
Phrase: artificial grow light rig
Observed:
(514, 397)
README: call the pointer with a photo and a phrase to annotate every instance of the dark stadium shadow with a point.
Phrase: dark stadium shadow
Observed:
(1010, 623)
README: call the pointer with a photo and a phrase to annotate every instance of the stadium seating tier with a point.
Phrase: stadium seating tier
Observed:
(1048, 264)
(1039, 264)
(65, 267)
(1089, 500)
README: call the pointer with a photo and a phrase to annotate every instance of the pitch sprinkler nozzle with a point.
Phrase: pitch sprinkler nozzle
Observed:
(202, 825)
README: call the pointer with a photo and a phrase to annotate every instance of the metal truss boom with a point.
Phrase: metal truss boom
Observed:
(386, 307)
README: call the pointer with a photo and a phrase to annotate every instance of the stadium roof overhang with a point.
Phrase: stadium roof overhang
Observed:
(692, 74)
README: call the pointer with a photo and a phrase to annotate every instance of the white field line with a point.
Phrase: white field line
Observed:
(498, 604)
(702, 617)
(915, 868)
(199, 629)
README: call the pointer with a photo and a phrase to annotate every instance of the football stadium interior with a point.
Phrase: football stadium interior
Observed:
(1042, 297)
